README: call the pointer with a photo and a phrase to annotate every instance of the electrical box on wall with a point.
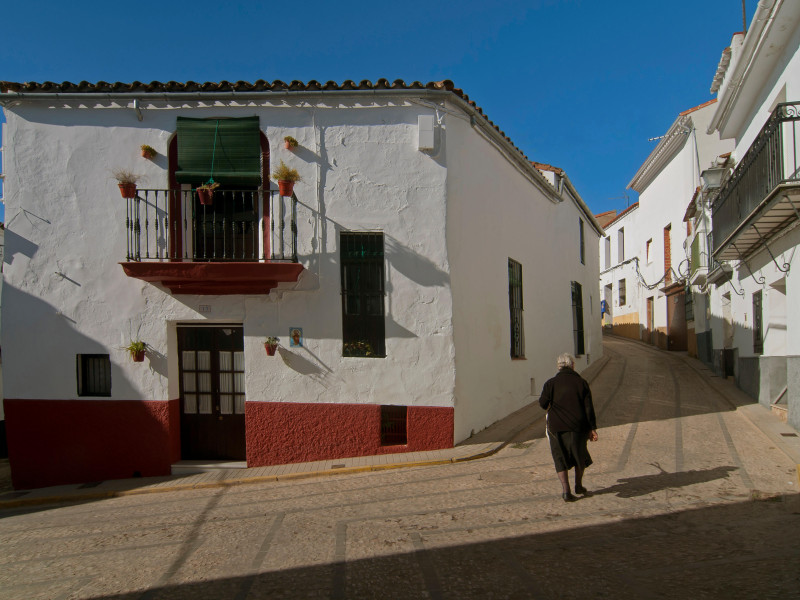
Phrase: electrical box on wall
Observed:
(425, 132)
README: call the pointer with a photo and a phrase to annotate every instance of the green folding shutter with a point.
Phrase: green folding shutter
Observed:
(233, 145)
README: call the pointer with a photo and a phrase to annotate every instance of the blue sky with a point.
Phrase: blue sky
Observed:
(580, 84)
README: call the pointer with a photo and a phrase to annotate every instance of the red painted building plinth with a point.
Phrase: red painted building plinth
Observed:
(55, 442)
(291, 432)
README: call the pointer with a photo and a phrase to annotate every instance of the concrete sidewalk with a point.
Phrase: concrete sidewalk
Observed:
(483, 444)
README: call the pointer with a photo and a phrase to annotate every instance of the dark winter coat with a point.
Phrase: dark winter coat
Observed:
(569, 400)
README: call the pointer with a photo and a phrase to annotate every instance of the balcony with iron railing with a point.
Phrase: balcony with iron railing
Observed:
(699, 259)
(245, 242)
(759, 199)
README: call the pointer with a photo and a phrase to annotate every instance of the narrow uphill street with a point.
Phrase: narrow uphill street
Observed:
(689, 499)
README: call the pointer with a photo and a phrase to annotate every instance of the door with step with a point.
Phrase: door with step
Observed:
(211, 365)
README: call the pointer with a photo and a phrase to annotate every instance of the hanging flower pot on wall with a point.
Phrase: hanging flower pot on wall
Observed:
(289, 142)
(286, 178)
(136, 350)
(148, 152)
(285, 187)
(127, 182)
(271, 345)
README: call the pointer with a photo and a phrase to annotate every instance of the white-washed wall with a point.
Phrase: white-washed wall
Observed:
(496, 213)
(361, 171)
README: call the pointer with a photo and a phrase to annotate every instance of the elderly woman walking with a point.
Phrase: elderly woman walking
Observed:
(570, 423)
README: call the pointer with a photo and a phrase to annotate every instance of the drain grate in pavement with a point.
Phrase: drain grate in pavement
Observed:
(789, 434)
(89, 485)
(337, 466)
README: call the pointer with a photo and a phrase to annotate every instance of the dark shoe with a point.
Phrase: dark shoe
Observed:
(579, 489)
(568, 497)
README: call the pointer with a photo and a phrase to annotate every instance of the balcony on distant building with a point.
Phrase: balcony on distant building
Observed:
(761, 198)
(699, 261)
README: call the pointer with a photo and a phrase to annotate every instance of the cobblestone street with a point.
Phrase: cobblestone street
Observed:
(688, 499)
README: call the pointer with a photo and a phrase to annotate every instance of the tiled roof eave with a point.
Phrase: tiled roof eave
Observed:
(11, 91)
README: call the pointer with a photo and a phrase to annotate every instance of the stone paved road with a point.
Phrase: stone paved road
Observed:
(689, 500)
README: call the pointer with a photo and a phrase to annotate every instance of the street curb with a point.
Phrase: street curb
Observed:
(597, 367)
(87, 496)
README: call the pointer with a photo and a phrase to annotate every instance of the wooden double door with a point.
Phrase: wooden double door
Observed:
(211, 366)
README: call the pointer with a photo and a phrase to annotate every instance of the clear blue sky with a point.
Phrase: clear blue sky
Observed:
(579, 84)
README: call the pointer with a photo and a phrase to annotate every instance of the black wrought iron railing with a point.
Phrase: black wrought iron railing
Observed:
(239, 225)
(772, 160)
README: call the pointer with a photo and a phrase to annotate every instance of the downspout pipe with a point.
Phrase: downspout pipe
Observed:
(513, 153)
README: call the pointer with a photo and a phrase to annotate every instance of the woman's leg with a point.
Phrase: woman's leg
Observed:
(564, 479)
(578, 477)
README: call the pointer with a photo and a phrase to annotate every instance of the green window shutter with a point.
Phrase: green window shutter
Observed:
(233, 144)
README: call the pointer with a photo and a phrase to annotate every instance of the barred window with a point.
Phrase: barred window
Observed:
(577, 317)
(94, 374)
(515, 308)
(582, 247)
(758, 339)
(362, 273)
(394, 428)
(623, 295)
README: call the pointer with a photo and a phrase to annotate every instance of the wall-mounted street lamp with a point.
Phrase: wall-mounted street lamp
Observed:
(712, 178)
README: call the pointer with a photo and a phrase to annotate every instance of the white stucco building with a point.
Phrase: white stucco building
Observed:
(756, 211)
(421, 279)
(646, 254)
(619, 289)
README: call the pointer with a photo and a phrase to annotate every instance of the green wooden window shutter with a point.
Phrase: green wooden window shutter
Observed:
(236, 153)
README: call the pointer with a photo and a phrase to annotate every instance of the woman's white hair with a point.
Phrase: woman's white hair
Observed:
(565, 360)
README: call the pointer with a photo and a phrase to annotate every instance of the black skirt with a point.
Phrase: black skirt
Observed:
(569, 449)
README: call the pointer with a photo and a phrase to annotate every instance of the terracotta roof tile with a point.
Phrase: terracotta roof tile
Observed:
(546, 167)
(691, 110)
(622, 214)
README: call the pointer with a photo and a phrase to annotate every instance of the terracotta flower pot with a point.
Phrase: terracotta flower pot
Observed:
(287, 145)
(138, 356)
(128, 190)
(285, 187)
(148, 154)
(206, 196)
(271, 349)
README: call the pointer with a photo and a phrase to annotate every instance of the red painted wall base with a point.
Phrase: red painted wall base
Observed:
(290, 432)
(54, 442)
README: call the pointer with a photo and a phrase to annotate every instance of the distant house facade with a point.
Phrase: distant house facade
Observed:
(646, 253)
(619, 290)
(421, 277)
(756, 210)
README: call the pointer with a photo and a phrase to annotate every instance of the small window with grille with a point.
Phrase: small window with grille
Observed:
(515, 308)
(362, 273)
(577, 317)
(758, 337)
(394, 421)
(94, 374)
